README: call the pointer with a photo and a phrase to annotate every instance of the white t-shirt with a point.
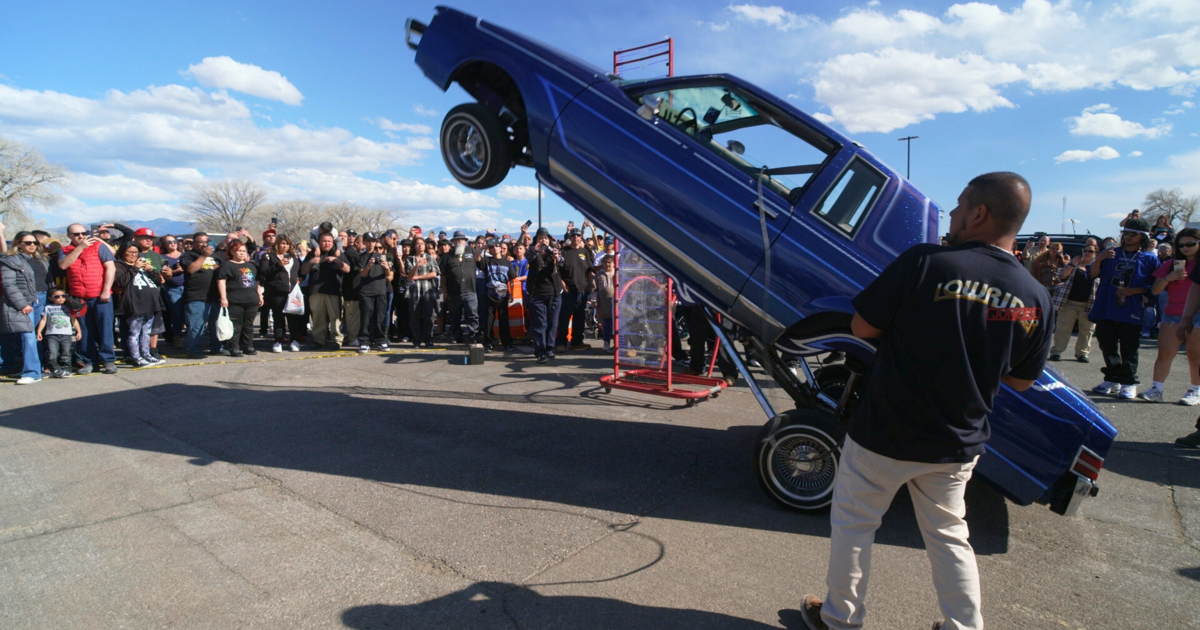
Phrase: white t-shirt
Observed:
(58, 321)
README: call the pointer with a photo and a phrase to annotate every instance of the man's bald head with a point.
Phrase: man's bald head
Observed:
(1006, 196)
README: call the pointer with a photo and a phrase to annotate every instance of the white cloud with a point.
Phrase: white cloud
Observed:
(116, 188)
(223, 72)
(773, 15)
(420, 110)
(893, 88)
(1135, 154)
(1176, 10)
(388, 125)
(1099, 120)
(873, 27)
(1078, 155)
(825, 118)
(520, 193)
(1115, 215)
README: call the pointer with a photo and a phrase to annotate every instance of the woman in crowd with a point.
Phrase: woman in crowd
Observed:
(1172, 277)
(280, 274)
(1162, 230)
(172, 288)
(237, 284)
(136, 301)
(24, 277)
(1047, 266)
(423, 271)
(1073, 301)
(605, 293)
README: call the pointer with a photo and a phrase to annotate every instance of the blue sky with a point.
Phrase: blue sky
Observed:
(1095, 102)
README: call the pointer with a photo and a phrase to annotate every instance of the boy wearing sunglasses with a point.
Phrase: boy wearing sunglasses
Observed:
(60, 330)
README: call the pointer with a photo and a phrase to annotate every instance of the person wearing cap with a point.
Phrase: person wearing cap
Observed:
(545, 295)
(459, 268)
(256, 257)
(576, 269)
(327, 266)
(143, 239)
(1126, 276)
(498, 274)
(399, 322)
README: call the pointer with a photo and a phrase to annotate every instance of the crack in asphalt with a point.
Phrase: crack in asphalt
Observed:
(202, 547)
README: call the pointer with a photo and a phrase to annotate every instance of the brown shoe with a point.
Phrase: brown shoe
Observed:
(937, 625)
(811, 611)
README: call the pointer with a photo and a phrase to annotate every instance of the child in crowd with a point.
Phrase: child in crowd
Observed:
(605, 291)
(59, 329)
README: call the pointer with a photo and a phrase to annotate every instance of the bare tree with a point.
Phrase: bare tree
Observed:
(224, 205)
(26, 178)
(347, 215)
(297, 218)
(1172, 203)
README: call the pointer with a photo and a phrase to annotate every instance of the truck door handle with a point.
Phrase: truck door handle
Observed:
(771, 214)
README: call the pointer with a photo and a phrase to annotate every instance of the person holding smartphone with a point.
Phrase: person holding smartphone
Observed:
(1125, 279)
(1073, 298)
(1172, 277)
(172, 288)
(545, 295)
(422, 271)
(90, 269)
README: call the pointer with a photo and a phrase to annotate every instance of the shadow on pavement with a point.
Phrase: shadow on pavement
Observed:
(664, 470)
(1156, 462)
(485, 605)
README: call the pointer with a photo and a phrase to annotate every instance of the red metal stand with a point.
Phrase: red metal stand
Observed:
(657, 378)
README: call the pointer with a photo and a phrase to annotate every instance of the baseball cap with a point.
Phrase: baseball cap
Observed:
(574, 232)
(1140, 226)
(144, 232)
(269, 232)
(390, 234)
(369, 236)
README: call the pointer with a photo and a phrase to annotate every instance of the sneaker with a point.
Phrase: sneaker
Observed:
(550, 355)
(363, 349)
(1107, 387)
(1191, 398)
(1128, 392)
(607, 346)
(295, 346)
(157, 360)
(141, 363)
(27, 380)
(236, 354)
(1056, 357)
(196, 356)
(58, 374)
(84, 370)
(1154, 394)
(384, 347)
(277, 348)
(110, 368)
(543, 358)
(1192, 440)
(1082, 359)
(560, 348)
(250, 352)
(810, 611)
(155, 357)
(580, 346)
(428, 344)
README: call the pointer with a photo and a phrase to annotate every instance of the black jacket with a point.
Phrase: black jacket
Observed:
(543, 280)
(276, 279)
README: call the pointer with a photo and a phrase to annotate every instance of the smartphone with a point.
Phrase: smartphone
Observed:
(1180, 265)
(570, 224)
(527, 224)
(274, 221)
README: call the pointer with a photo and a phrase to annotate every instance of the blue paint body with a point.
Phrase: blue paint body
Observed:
(696, 216)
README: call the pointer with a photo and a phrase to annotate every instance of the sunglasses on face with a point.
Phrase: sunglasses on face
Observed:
(27, 243)
(168, 242)
(1189, 244)
(58, 297)
(75, 234)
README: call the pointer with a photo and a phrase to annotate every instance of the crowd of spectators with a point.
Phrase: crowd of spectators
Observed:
(68, 310)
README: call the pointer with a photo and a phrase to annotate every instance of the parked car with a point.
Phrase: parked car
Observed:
(758, 210)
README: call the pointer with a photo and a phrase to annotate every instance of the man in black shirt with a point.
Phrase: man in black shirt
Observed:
(458, 289)
(374, 272)
(576, 271)
(200, 299)
(325, 290)
(545, 289)
(953, 323)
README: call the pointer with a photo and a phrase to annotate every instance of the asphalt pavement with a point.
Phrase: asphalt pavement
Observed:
(404, 491)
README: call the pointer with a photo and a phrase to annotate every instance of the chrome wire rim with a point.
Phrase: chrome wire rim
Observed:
(466, 148)
(803, 466)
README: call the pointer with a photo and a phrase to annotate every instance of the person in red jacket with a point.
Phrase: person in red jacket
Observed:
(90, 269)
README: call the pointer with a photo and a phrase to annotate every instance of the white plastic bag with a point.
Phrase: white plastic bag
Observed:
(295, 301)
(224, 326)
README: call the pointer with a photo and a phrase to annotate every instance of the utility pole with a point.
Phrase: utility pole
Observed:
(908, 161)
(1064, 222)
(539, 204)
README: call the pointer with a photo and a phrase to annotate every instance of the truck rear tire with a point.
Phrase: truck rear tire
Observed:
(476, 146)
(796, 464)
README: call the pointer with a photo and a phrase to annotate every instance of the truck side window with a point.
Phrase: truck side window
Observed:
(851, 196)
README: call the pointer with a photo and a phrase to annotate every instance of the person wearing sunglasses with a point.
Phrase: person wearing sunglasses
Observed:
(1125, 280)
(23, 275)
(1172, 277)
(170, 249)
(90, 267)
(1073, 300)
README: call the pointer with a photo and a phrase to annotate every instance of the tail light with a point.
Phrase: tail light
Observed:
(1087, 464)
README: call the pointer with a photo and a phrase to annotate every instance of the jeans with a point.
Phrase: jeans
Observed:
(372, 319)
(351, 320)
(58, 349)
(493, 311)
(326, 317)
(1070, 313)
(420, 319)
(23, 347)
(199, 315)
(543, 320)
(573, 310)
(96, 346)
(137, 341)
(864, 487)
(173, 298)
(1119, 343)
(463, 315)
(606, 330)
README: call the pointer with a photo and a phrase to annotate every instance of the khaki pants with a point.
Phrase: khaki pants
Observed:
(865, 485)
(352, 318)
(1070, 313)
(326, 315)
